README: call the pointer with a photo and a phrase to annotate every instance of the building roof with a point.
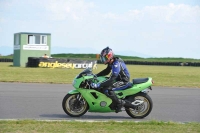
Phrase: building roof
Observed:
(33, 33)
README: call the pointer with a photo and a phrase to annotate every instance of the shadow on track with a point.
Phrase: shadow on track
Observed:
(88, 117)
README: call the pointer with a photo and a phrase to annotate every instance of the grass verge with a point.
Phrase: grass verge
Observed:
(33, 126)
(170, 76)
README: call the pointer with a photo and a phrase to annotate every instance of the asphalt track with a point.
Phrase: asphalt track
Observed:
(44, 102)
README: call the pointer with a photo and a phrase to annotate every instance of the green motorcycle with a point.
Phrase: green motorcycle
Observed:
(84, 98)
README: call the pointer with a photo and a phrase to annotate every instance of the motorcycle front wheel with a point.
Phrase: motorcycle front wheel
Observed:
(141, 110)
(74, 105)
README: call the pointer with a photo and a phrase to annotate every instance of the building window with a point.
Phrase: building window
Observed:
(31, 39)
(17, 39)
(43, 39)
(37, 39)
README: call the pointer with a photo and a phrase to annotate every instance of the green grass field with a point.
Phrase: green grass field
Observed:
(171, 76)
(32, 126)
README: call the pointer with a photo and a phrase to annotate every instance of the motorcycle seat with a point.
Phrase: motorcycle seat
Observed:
(129, 85)
(140, 80)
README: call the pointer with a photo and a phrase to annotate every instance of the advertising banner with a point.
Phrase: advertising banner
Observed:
(61, 63)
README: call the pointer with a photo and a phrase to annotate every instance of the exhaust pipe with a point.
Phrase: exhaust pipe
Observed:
(137, 102)
(133, 105)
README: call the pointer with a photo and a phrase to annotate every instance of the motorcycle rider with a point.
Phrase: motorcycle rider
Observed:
(119, 77)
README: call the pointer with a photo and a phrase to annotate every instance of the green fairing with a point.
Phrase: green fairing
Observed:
(134, 89)
(73, 92)
(94, 103)
(94, 98)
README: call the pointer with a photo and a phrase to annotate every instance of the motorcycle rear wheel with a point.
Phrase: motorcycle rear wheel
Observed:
(74, 106)
(142, 110)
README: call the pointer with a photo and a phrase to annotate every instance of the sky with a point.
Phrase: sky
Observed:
(156, 28)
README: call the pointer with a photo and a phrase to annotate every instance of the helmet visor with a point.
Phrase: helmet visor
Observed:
(103, 59)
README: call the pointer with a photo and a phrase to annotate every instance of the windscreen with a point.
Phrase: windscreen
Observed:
(85, 72)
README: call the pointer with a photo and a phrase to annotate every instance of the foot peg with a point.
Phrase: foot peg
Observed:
(119, 105)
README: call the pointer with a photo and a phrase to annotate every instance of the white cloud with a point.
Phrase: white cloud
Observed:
(110, 16)
(170, 13)
(53, 9)
(62, 9)
(135, 14)
(2, 20)
(5, 4)
(80, 9)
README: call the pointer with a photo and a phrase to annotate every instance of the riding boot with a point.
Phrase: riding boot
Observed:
(120, 103)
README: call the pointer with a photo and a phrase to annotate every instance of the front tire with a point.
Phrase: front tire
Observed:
(74, 105)
(142, 110)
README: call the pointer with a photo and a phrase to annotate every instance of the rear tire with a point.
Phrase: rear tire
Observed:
(73, 106)
(142, 110)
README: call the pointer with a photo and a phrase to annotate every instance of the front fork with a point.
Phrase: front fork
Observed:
(79, 100)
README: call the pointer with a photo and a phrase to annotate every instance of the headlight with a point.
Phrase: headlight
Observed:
(74, 82)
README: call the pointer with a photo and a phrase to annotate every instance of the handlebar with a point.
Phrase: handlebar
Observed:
(95, 77)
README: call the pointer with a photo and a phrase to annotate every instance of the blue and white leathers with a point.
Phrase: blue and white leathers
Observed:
(119, 76)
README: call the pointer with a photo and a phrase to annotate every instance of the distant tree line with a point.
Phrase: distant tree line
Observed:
(132, 60)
